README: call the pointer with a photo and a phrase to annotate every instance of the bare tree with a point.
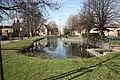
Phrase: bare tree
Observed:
(102, 13)
(86, 19)
(74, 23)
(53, 24)
(53, 27)
(31, 18)
(31, 11)
(15, 5)
(66, 31)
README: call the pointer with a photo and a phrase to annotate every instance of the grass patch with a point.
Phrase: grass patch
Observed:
(19, 44)
(20, 67)
(116, 42)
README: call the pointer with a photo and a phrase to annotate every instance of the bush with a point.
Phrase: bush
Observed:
(92, 39)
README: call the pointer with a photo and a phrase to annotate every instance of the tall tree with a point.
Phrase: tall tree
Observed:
(102, 12)
(73, 23)
(14, 5)
(86, 18)
(32, 11)
(53, 27)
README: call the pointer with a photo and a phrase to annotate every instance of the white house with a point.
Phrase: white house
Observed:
(112, 30)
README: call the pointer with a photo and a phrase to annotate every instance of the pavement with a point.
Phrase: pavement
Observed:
(113, 47)
(8, 41)
(94, 52)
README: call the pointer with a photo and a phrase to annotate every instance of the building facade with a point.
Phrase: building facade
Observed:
(14, 30)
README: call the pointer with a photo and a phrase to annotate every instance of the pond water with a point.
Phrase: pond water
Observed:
(56, 48)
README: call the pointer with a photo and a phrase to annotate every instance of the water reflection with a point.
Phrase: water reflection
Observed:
(58, 49)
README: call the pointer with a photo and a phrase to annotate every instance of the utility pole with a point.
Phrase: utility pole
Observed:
(1, 65)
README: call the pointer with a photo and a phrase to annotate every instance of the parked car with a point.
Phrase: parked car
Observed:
(3, 37)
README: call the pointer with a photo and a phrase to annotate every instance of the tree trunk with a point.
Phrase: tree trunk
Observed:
(28, 29)
(102, 34)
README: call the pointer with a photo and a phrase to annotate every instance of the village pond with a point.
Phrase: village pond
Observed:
(56, 48)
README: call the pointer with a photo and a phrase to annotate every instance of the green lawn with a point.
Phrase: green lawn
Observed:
(116, 42)
(19, 44)
(20, 67)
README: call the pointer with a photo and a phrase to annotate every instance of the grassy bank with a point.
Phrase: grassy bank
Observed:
(20, 67)
(73, 39)
(19, 44)
(116, 42)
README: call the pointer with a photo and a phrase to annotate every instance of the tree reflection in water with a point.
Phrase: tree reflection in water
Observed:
(58, 49)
